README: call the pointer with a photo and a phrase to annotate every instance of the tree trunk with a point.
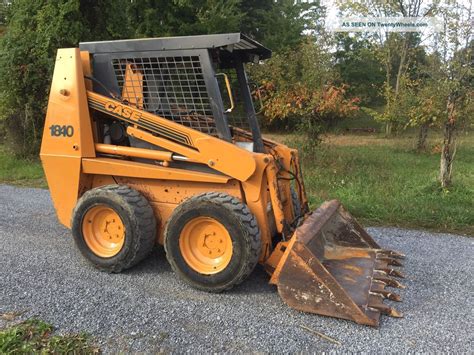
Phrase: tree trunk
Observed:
(401, 66)
(388, 129)
(449, 147)
(422, 135)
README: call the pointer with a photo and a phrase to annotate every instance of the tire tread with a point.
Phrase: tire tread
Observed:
(248, 222)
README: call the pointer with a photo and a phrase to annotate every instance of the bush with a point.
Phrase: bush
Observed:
(35, 30)
(298, 88)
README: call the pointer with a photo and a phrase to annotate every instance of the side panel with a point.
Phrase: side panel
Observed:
(67, 135)
(117, 167)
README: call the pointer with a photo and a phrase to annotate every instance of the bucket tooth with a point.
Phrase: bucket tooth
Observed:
(386, 294)
(392, 253)
(391, 272)
(377, 286)
(387, 310)
(390, 260)
(394, 313)
(389, 281)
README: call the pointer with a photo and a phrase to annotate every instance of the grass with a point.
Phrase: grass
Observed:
(385, 182)
(20, 172)
(35, 336)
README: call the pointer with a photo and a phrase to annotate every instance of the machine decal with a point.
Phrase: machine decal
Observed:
(130, 115)
(122, 111)
(61, 130)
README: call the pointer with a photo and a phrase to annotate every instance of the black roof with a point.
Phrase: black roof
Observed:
(232, 42)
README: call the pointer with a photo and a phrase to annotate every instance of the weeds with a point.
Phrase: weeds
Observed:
(35, 336)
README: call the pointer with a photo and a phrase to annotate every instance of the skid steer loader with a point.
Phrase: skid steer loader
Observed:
(157, 141)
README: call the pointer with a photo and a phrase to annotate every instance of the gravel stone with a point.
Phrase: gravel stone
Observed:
(148, 309)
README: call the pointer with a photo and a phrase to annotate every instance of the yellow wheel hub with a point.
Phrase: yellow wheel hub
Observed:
(103, 231)
(206, 245)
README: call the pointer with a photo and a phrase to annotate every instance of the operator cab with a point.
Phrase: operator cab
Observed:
(196, 81)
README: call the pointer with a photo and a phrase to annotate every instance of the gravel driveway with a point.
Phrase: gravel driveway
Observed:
(149, 309)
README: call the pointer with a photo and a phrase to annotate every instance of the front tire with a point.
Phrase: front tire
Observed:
(212, 241)
(113, 227)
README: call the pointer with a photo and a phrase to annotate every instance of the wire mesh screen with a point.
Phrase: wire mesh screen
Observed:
(171, 87)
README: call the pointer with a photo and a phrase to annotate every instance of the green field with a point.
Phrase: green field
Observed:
(385, 182)
(382, 181)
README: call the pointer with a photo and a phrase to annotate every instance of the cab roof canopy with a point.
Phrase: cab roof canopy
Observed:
(227, 44)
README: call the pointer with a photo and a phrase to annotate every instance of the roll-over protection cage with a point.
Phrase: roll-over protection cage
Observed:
(179, 78)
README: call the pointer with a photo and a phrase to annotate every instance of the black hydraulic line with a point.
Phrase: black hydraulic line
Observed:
(110, 92)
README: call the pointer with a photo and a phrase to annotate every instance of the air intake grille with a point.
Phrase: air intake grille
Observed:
(171, 87)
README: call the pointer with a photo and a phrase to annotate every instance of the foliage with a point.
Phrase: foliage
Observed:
(296, 87)
(34, 336)
(398, 106)
(358, 64)
(277, 24)
(160, 18)
(36, 29)
(428, 105)
(283, 25)
(456, 45)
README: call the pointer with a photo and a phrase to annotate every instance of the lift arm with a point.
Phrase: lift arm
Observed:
(214, 152)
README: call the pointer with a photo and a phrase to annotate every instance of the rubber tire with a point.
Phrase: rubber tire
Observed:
(137, 217)
(243, 230)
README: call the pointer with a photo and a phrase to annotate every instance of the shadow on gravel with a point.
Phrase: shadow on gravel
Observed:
(155, 263)
(256, 283)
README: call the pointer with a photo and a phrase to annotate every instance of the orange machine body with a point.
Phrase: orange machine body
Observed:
(75, 161)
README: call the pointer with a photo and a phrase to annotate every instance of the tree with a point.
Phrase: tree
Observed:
(35, 30)
(457, 46)
(277, 24)
(298, 88)
(161, 18)
(284, 23)
(359, 66)
(428, 106)
(397, 51)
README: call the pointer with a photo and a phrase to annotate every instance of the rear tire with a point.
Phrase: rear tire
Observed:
(113, 227)
(212, 241)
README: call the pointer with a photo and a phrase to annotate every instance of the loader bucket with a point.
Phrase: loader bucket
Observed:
(332, 267)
